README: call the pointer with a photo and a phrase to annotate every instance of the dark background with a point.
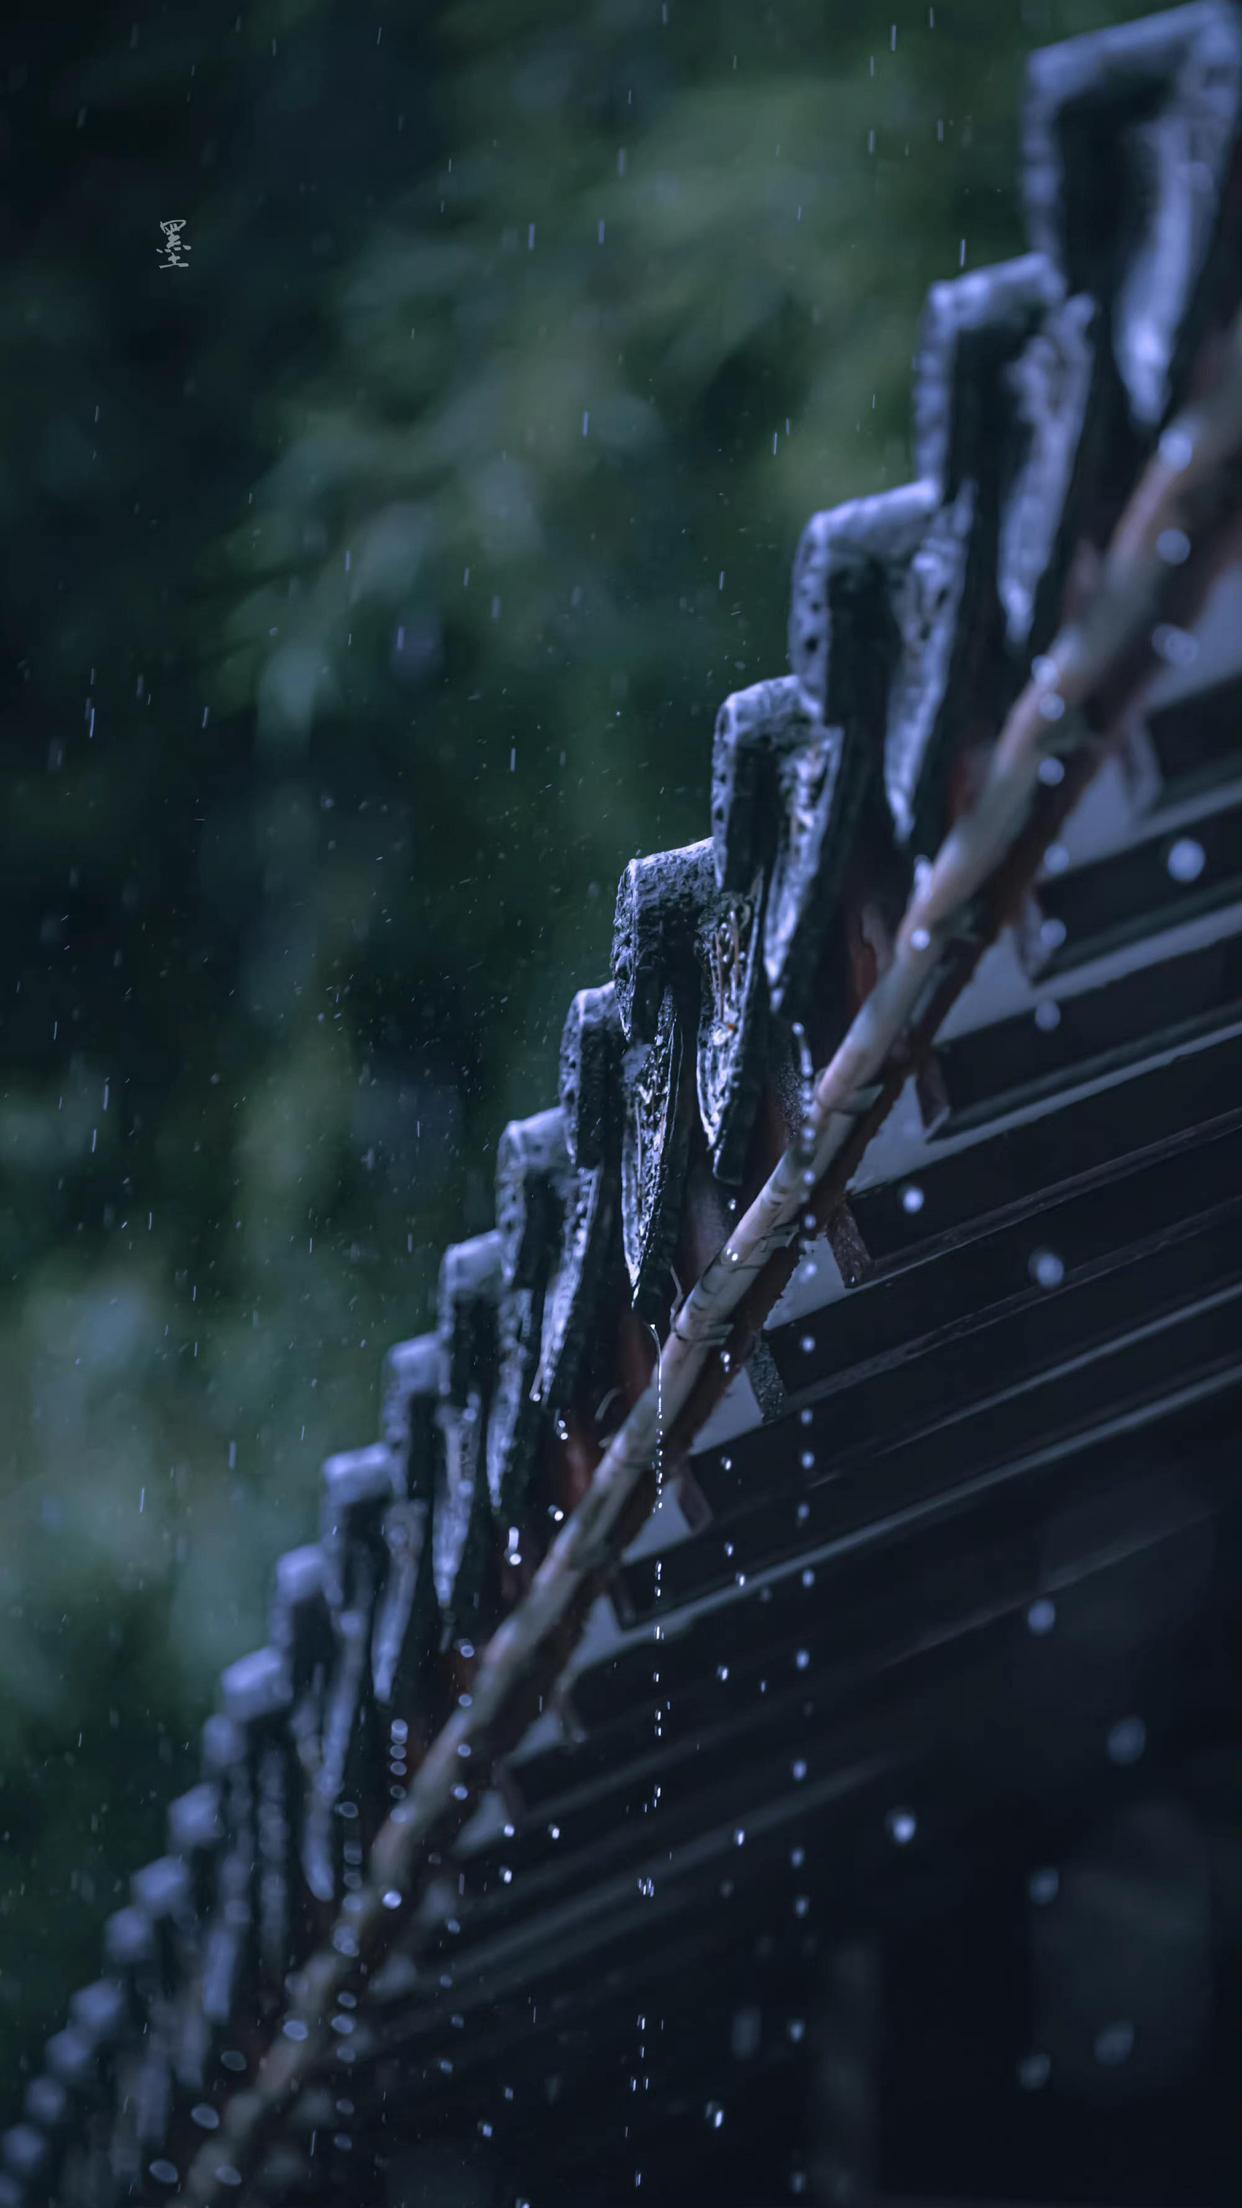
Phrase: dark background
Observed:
(370, 588)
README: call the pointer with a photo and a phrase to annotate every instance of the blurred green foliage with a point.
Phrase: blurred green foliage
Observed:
(371, 587)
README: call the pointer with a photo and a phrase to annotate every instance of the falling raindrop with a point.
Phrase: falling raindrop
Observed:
(1046, 1269)
(1177, 447)
(1186, 860)
(1176, 647)
(1114, 2044)
(1127, 1740)
(1173, 546)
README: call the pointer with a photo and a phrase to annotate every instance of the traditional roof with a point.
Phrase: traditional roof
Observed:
(858, 1309)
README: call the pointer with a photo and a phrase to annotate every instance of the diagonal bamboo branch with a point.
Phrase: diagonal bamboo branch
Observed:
(1186, 499)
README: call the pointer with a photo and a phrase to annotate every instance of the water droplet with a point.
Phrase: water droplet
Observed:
(1127, 1740)
(294, 2028)
(799, 1769)
(1047, 1016)
(392, 1899)
(1173, 546)
(1042, 1616)
(807, 1344)
(920, 940)
(225, 2174)
(714, 2114)
(912, 1199)
(1186, 860)
(807, 1460)
(1033, 2071)
(1176, 647)
(1114, 2044)
(1043, 1887)
(1051, 771)
(1046, 1269)
(1177, 447)
(802, 1659)
(1052, 934)
(1052, 706)
(901, 1825)
(205, 2116)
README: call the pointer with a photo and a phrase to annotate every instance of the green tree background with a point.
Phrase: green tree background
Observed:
(371, 588)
